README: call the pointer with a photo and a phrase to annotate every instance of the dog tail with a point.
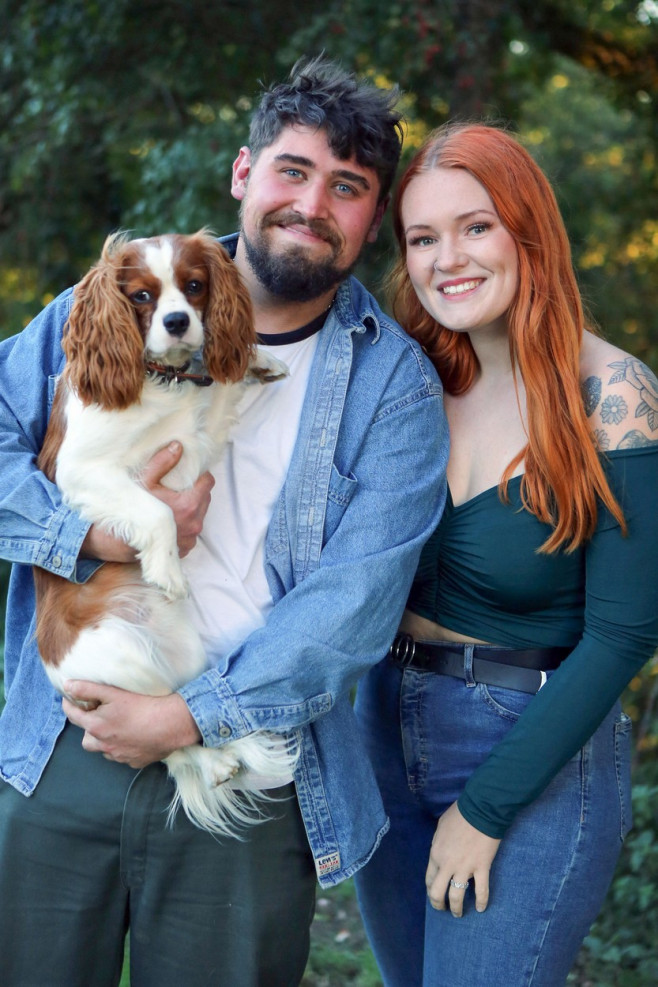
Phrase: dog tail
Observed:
(208, 781)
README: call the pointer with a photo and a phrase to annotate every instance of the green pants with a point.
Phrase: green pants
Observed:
(89, 857)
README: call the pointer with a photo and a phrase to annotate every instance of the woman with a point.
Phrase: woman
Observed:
(494, 725)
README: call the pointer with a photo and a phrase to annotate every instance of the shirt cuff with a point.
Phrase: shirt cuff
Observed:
(59, 549)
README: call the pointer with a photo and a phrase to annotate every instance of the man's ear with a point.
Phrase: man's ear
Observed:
(241, 169)
(377, 219)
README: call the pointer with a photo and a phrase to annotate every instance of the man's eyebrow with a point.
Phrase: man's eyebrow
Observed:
(350, 176)
(295, 159)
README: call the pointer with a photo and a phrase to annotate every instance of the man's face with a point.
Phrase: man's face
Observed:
(305, 213)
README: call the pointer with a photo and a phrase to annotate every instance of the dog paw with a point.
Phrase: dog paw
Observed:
(221, 767)
(163, 570)
(266, 368)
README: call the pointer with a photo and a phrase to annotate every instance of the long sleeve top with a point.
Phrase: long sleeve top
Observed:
(480, 575)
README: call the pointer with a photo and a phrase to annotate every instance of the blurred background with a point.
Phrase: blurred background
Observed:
(125, 114)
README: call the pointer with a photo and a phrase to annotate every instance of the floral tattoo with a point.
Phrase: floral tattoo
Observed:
(614, 409)
(644, 381)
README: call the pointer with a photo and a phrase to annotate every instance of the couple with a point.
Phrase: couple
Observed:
(534, 575)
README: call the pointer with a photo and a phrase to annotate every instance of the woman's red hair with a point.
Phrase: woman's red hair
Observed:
(563, 473)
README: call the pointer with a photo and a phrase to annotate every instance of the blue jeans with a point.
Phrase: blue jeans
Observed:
(426, 734)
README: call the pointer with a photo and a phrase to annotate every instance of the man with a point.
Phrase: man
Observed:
(333, 480)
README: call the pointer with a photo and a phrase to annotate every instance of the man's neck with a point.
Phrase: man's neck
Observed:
(274, 315)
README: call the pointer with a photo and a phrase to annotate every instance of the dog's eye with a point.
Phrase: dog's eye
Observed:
(194, 288)
(142, 297)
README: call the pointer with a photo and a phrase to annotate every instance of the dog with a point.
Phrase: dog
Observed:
(159, 345)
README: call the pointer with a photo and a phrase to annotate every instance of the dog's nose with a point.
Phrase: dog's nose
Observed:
(176, 323)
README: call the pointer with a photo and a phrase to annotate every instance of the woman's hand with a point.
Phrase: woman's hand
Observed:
(459, 852)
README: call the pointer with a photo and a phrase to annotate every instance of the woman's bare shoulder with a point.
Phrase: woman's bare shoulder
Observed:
(620, 394)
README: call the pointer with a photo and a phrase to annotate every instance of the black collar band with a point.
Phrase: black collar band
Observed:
(295, 335)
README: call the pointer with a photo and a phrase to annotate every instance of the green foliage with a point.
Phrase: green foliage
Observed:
(598, 159)
(87, 92)
(621, 949)
(111, 117)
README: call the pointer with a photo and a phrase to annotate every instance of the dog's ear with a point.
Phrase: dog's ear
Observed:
(230, 337)
(102, 342)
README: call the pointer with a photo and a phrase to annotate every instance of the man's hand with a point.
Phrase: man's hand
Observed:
(128, 727)
(459, 852)
(189, 508)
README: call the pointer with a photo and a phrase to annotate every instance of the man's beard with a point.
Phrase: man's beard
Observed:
(292, 275)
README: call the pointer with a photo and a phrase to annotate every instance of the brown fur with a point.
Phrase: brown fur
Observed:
(65, 608)
(104, 338)
(47, 461)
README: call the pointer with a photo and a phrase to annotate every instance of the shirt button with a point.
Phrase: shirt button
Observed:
(224, 731)
(57, 561)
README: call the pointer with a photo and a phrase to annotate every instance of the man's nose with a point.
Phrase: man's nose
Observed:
(313, 201)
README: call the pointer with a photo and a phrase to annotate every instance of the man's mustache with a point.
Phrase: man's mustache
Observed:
(316, 226)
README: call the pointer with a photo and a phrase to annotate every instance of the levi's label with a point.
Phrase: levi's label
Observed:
(328, 864)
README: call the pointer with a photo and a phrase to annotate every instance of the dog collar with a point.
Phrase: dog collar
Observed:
(178, 374)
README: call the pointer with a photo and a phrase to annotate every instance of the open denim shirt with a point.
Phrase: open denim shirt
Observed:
(365, 489)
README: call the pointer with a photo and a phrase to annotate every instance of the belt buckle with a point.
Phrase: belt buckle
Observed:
(402, 649)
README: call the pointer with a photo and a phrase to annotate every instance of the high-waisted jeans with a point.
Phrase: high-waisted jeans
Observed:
(426, 734)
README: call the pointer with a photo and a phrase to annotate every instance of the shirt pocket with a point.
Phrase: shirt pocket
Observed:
(340, 493)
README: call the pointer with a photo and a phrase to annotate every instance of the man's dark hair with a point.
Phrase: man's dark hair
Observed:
(358, 117)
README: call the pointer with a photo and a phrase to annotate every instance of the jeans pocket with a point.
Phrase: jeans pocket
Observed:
(623, 732)
(508, 703)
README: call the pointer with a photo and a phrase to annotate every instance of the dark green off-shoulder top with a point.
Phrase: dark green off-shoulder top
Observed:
(480, 575)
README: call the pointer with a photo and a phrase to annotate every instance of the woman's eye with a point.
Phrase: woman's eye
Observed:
(479, 228)
(421, 241)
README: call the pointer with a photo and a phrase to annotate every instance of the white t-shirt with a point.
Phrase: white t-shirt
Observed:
(229, 594)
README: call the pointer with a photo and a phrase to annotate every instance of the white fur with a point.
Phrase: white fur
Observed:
(103, 452)
(171, 299)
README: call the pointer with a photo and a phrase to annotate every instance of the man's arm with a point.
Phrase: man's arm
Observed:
(35, 527)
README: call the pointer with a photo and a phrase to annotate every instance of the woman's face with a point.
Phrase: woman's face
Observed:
(462, 262)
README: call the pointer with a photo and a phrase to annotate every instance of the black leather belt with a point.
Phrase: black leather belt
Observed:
(508, 668)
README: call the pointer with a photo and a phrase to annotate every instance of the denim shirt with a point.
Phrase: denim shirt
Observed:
(364, 490)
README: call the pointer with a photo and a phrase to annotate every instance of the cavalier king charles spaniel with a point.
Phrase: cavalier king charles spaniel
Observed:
(159, 346)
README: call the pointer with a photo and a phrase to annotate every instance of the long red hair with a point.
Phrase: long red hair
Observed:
(563, 473)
